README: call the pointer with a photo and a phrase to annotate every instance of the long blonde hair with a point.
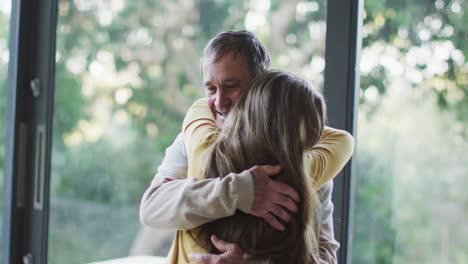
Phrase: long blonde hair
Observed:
(279, 118)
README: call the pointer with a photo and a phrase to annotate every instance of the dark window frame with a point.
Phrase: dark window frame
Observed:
(341, 86)
(29, 90)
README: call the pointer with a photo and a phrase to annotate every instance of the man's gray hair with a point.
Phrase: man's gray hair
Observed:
(239, 42)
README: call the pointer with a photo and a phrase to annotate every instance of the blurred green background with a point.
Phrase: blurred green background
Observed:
(127, 71)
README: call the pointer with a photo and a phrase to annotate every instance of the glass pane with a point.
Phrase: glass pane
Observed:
(126, 73)
(411, 202)
(5, 9)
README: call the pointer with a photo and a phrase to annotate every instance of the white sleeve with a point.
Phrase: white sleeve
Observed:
(328, 246)
(174, 202)
(174, 165)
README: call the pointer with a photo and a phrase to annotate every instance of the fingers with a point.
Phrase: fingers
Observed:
(281, 213)
(202, 258)
(270, 170)
(231, 253)
(265, 170)
(273, 201)
(195, 258)
(285, 190)
(274, 208)
(270, 219)
(221, 245)
(286, 202)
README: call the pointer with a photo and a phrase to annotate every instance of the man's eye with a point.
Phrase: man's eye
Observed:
(211, 89)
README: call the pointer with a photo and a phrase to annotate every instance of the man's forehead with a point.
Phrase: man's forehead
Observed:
(230, 58)
(228, 68)
(216, 56)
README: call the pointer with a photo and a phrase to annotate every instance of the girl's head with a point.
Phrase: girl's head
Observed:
(279, 118)
(279, 109)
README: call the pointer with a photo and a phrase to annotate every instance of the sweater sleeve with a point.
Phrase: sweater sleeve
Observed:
(200, 131)
(173, 201)
(329, 155)
(188, 203)
(328, 246)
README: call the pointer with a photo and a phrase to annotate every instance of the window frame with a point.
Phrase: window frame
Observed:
(32, 55)
(341, 87)
(29, 113)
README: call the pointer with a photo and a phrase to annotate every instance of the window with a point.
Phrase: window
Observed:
(126, 73)
(410, 200)
(5, 7)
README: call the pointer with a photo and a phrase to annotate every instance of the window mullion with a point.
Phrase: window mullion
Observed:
(29, 126)
(340, 88)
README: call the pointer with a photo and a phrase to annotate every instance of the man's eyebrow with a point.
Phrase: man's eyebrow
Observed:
(231, 80)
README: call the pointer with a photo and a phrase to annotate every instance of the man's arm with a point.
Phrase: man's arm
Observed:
(188, 203)
(329, 155)
(328, 246)
(327, 158)
(174, 202)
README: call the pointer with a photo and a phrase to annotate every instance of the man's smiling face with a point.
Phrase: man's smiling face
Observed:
(225, 81)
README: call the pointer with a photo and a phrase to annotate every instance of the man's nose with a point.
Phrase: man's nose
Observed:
(222, 100)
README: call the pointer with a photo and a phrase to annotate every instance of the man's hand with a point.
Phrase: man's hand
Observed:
(272, 197)
(231, 254)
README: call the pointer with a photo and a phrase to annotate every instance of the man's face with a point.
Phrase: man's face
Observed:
(225, 81)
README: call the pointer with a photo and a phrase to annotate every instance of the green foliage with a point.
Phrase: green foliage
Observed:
(401, 25)
(393, 222)
(69, 100)
(104, 172)
(77, 223)
(409, 200)
(374, 232)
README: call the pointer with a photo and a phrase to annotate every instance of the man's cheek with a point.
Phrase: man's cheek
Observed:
(211, 105)
(210, 102)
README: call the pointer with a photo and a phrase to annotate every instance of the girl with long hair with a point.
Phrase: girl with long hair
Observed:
(278, 121)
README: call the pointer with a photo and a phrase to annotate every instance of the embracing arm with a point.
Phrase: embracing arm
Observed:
(329, 155)
(325, 160)
(174, 202)
(328, 246)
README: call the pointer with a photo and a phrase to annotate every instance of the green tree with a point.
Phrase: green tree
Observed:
(415, 51)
